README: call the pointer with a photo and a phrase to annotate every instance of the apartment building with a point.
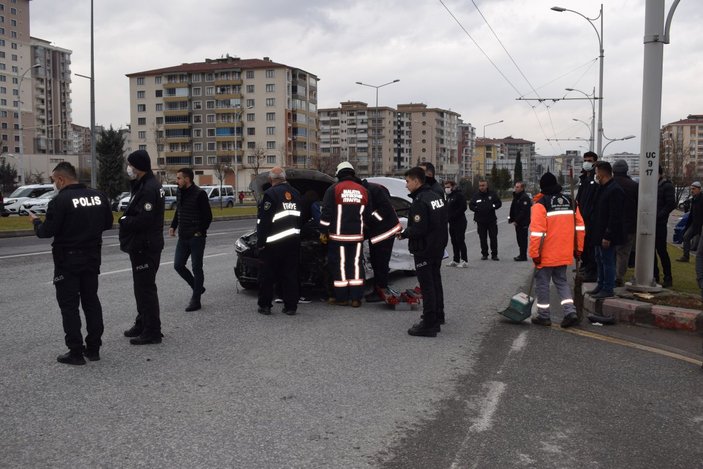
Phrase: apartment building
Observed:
(467, 144)
(682, 147)
(502, 153)
(226, 117)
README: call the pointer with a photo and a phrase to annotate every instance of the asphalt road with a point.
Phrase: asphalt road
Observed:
(331, 387)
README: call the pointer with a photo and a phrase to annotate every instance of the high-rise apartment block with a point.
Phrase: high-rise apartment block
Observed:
(503, 154)
(682, 147)
(226, 117)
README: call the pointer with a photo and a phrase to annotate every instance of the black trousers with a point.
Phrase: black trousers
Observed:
(145, 264)
(279, 267)
(345, 261)
(521, 236)
(76, 283)
(588, 256)
(488, 230)
(380, 260)
(660, 249)
(430, 279)
(457, 233)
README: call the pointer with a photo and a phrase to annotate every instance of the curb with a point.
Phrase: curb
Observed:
(641, 313)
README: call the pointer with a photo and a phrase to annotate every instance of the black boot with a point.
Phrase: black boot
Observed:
(134, 331)
(92, 354)
(194, 305)
(423, 329)
(72, 357)
(146, 339)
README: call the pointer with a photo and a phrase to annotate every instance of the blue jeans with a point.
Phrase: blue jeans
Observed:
(193, 248)
(605, 261)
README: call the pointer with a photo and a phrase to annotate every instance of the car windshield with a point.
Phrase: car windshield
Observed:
(22, 192)
(48, 195)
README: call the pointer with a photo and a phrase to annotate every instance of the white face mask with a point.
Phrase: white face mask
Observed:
(587, 166)
(130, 172)
(447, 190)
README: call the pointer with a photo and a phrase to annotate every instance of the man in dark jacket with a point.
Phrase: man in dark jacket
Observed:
(76, 219)
(694, 221)
(584, 200)
(383, 228)
(606, 228)
(629, 219)
(427, 239)
(142, 237)
(520, 217)
(456, 208)
(278, 239)
(430, 179)
(484, 204)
(666, 202)
(192, 219)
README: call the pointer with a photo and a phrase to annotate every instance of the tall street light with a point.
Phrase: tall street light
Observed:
(590, 130)
(611, 140)
(374, 155)
(487, 125)
(19, 118)
(600, 74)
(93, 160)
(592, 99)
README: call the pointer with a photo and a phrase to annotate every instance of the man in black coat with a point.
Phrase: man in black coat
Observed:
(430, 179)
(631, 188)
(427, 238)
(666, 203)
(456, 208)
(694, 221)
(584, 200)
(76, 219)
(520, 217)
(606, 228)
(142, 237)
(484, 204)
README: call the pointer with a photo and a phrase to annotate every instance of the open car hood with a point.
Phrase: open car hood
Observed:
(303, 180)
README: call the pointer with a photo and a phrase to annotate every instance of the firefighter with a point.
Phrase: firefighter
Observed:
(346, 209)
(381, 232)
(76, 219)
(427, 238)
(557, 235)
(278, 239)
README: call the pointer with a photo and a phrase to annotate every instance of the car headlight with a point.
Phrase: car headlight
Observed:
(239, 246)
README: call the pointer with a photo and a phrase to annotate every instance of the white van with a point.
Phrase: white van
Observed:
(170, 191)
(14, 202)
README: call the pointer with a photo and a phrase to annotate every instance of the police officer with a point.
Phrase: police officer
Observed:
(381, 233)
(76, 219)
(427, 239)
(142, 237)
(430, 179)
(520, 217)
(192, 219)
(278, 239)
(484, 204)
(346, 208)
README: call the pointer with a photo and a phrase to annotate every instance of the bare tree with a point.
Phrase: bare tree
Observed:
(35, 177)
(221, 170)
(677, 163)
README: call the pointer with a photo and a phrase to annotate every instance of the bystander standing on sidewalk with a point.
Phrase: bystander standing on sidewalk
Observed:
(666, 203)
(694, 222)
(584, 200)
(630, 187)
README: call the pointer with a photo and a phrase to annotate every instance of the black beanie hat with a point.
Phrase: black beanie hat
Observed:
(547, 180)
(140, 160)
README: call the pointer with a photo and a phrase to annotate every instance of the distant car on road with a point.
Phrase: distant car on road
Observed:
(115, 204)
(38, 205)
(23, 193)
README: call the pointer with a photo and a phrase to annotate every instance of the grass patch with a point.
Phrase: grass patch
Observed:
(683, 274)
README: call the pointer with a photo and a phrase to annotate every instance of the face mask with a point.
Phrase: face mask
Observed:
(130, 172)
(447, 190)
(587, 166)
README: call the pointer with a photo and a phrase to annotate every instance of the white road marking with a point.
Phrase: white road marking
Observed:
(519, 343)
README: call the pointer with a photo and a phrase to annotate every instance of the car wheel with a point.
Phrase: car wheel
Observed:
(230, 204)
(5, 214)
(409, 273)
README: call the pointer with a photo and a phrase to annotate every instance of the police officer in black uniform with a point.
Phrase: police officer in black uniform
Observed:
(278, 239)
(381, 232)
(427, 239)
(76, 219)
(142, 237)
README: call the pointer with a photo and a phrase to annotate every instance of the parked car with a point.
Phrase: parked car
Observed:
(313, 254)
(170, 191)
(39, 204)
(23, 193)
(213, 194)
(115, 204)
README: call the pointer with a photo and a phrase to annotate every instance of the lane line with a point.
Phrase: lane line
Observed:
(519, 343)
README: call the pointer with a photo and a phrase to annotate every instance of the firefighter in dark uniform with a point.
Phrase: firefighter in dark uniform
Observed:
(346, 209)
(76, 219)
(427, 238)
(142, 237)
(278, 239)
(381, 233)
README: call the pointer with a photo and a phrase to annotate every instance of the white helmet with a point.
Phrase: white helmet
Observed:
(344, 165)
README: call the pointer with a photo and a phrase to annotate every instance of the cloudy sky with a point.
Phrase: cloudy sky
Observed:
(416, 41)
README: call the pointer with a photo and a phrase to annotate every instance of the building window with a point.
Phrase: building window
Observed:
(140, 80)
(271, 145)
(14, 57)
(13, 45)
(157, 80)
(197, 133)
(198, 160)
(196, 77)
(211, 160)
(250, 103)
(251, 145)
(210, 132)
(159, 107)
(159, 121)
(142, 147)
(197, 91)
(210, 118)
(251, 131)
(250, 74)
(141, 94)
(141, 107)
(13, 34)
(197, 118)
(250, 116)
(270, 116)
(209, 104)
(270, 130)
(270, 73)
(15, 69)
(270, 88)
(141, 121)
(209, 90)
(210, 146)
(159, 93)
(198, 146)
(13, 23)
(142, 134)
(197, 105)
(271, 159)
(270, 102)
(250, 88)
(209, 77)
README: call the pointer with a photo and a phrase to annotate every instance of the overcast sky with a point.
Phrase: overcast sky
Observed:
(416, 41)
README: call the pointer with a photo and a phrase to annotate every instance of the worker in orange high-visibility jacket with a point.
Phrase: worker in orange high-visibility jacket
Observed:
(557, 234)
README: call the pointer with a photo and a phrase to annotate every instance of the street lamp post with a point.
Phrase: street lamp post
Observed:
(487, 125)
(592, 100)
(590, 129)
(600, 74)
(374, 154)
(611, 140)
(19, 119)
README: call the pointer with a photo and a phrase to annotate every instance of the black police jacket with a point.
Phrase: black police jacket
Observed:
(383, 223)
(142, 225)
(586, 192)
(427, 225)
(456, 206)
(279, 216)
(631, 189)
(435, 186)
(76, 219)
(606, 217)
(520, 209)
(193, 213)
(666, 201)
(484, 206)
(695, 215)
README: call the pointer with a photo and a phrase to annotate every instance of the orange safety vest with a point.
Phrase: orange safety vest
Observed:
(555, 226)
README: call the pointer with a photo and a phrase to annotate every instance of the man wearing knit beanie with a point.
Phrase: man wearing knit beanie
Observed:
(629, 219)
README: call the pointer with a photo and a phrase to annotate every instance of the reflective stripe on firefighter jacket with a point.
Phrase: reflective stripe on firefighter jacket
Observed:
(553, 219)
(278, 215)
(345, 211)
